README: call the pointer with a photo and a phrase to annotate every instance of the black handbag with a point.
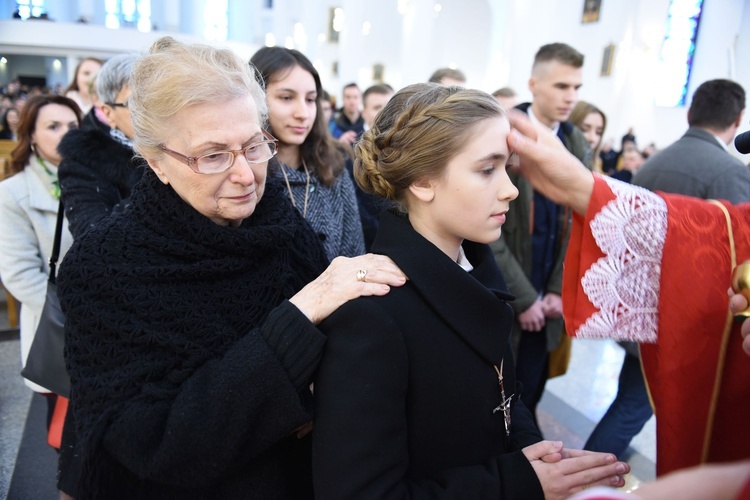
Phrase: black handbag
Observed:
(45, 365)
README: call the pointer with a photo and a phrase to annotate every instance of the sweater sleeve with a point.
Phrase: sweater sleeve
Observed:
(360, 442)
(227, 412)
(92, 191)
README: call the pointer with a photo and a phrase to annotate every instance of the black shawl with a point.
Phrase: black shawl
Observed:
(187, 366)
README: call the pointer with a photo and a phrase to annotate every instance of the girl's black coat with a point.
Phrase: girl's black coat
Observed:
(406, 389)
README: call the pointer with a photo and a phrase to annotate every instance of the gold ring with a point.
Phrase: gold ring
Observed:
(361, 274)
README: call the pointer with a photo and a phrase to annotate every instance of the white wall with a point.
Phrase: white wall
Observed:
(492, 41)
(637, 28)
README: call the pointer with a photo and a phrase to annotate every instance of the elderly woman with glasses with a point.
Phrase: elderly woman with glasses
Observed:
(191, 335)
(97, 171)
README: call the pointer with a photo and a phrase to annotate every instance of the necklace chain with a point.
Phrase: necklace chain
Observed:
(307, 187)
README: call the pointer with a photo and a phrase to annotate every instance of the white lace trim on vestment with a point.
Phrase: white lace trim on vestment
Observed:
(624, 284)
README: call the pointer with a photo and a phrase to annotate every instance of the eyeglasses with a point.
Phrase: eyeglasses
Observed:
(220, 161)
(118, 104)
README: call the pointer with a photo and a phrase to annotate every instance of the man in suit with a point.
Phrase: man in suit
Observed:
(532, 248)
(699, 164)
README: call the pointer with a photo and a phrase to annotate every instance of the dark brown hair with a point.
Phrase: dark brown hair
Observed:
(319, 148)
(560, 52)
(716, 104)
(27, 126)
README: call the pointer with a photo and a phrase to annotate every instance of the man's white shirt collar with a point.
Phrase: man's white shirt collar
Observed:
(723, 145)
(534, 119)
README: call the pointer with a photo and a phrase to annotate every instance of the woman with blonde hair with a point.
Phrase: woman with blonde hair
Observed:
(593, 123)
(191, 333)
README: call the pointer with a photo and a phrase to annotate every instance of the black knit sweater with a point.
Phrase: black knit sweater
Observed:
(189, 370)
(96, 175)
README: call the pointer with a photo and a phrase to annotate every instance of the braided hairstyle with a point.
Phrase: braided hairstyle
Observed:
(415, 136)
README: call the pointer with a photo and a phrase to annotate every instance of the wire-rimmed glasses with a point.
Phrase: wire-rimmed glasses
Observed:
(220, 161)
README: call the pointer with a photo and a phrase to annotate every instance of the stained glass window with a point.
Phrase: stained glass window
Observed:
(677, 52)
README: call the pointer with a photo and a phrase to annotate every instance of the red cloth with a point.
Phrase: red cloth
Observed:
(54, 433)
(745, 492)
(692, 310)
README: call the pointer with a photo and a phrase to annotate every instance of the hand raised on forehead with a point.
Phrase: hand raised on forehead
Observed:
(547, 165)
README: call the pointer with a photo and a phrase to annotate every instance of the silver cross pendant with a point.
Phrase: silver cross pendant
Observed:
(505, 407)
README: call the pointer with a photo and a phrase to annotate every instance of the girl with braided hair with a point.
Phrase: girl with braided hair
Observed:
(416, 394)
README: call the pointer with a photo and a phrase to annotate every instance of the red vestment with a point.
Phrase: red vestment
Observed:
(656, 269)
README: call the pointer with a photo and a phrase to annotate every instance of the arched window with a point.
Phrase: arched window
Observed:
(128, 14)
(30, 8)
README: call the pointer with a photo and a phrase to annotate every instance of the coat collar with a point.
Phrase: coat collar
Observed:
(700, 134)
(473, 304)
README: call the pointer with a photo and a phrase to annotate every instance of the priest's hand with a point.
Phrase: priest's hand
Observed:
(548, 166)
(739, 303)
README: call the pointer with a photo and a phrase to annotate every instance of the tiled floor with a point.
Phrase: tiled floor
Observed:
(573, 403)
(568, 411)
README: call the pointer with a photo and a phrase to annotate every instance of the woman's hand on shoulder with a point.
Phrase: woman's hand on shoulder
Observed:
(346, 279)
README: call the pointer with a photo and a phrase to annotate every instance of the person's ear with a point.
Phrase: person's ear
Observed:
(532, 84)
(156, 167)
(109, 114)
(423, 189)
(738, 121)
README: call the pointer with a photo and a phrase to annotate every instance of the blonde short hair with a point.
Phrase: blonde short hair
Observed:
(173, 76)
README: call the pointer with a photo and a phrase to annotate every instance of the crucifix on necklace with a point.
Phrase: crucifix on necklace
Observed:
(504, 405)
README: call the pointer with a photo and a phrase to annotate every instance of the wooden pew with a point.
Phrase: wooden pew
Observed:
(6, 147)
